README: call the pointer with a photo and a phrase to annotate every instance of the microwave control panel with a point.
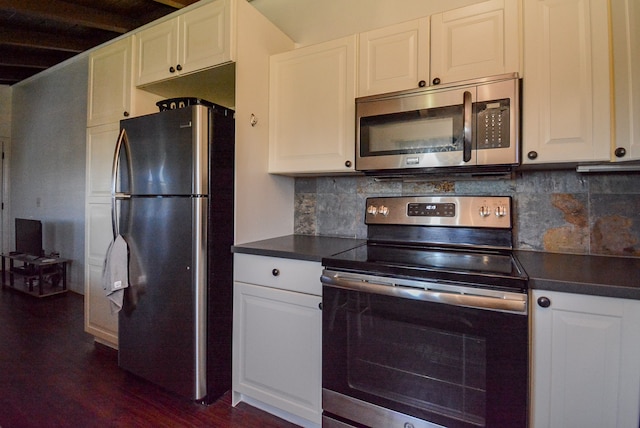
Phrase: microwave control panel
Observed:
(492, 124)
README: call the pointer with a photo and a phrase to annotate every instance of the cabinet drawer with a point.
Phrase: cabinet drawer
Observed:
(287, 274)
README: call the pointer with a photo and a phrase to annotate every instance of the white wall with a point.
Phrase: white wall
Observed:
(5, 111)
(47, 159)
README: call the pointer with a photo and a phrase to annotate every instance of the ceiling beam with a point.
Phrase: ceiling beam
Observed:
(10, 75)
(178, 4)
(70, 14)
(32, 39)
(30, 59)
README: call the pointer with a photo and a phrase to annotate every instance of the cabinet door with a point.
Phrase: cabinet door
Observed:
(394, 58)
(312, 109)
(205, 37)
(566, 95)
(99, 321)
(625, 18)
(101, 142)
(277, 349)
(479, 40)
(157, 52)
(109, 92)
(586, 351)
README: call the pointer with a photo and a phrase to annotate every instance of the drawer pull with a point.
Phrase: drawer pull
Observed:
(275, 272)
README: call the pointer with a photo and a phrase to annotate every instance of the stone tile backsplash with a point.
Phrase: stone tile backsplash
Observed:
(556, 211)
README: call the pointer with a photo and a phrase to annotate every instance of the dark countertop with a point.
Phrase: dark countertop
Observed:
(301, 247)
(570, 273)
(582, 274)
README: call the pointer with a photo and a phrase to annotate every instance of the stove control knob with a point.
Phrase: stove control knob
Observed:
(371, 210)
(383, 210)
(501, 211)
(485, 211)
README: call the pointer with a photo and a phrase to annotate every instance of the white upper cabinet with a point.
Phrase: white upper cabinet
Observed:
(109, 91)
(111, 96)
(625, 16)
(566, 91)
(475, 41)
(157, 51)
(394, 58)
(479, 40)
(196, 40)
(312, 109)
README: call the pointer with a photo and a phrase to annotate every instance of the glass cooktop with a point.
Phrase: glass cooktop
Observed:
(480, 268)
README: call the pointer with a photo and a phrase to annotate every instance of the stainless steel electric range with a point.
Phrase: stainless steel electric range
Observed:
(427, 324)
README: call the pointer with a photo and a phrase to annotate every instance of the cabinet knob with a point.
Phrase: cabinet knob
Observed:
(320, 305)
(544, 302)
(348, 164)
(125, 114)
(436, 81)
(422, 84)
(532, 155)
(620, 152)
(172, 70)
(275, 272)
(179, 67)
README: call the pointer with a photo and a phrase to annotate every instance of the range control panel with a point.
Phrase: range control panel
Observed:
(461, 211)
(436, 209)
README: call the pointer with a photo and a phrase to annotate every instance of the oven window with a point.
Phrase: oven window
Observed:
(420, 131)
(428, 368)
(454, 366)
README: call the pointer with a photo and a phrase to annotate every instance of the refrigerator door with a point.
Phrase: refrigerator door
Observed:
(162, 325)
(167, 153)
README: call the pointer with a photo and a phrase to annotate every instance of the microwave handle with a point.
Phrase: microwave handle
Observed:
(467, 106)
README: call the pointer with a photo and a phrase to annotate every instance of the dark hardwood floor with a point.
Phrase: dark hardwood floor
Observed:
(53, 375)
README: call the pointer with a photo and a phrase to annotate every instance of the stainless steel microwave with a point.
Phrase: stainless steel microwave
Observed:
(472, 125)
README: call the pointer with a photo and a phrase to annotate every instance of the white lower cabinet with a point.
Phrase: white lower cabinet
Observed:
(99, 320)
(277, 335)
(586, 361)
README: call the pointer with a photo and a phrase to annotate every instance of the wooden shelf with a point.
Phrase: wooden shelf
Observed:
(38, 277)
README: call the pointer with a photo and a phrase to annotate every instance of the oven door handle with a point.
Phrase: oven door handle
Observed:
(503, 302)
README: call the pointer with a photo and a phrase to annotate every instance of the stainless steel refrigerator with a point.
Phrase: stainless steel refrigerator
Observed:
(173, 204)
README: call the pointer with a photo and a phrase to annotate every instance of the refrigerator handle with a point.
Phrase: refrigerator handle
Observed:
(122, 141)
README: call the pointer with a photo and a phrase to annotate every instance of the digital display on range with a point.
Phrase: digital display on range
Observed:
(431, 210)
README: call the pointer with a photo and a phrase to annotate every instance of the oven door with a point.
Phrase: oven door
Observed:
(396, 355)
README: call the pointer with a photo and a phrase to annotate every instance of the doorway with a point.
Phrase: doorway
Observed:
(4, 191)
